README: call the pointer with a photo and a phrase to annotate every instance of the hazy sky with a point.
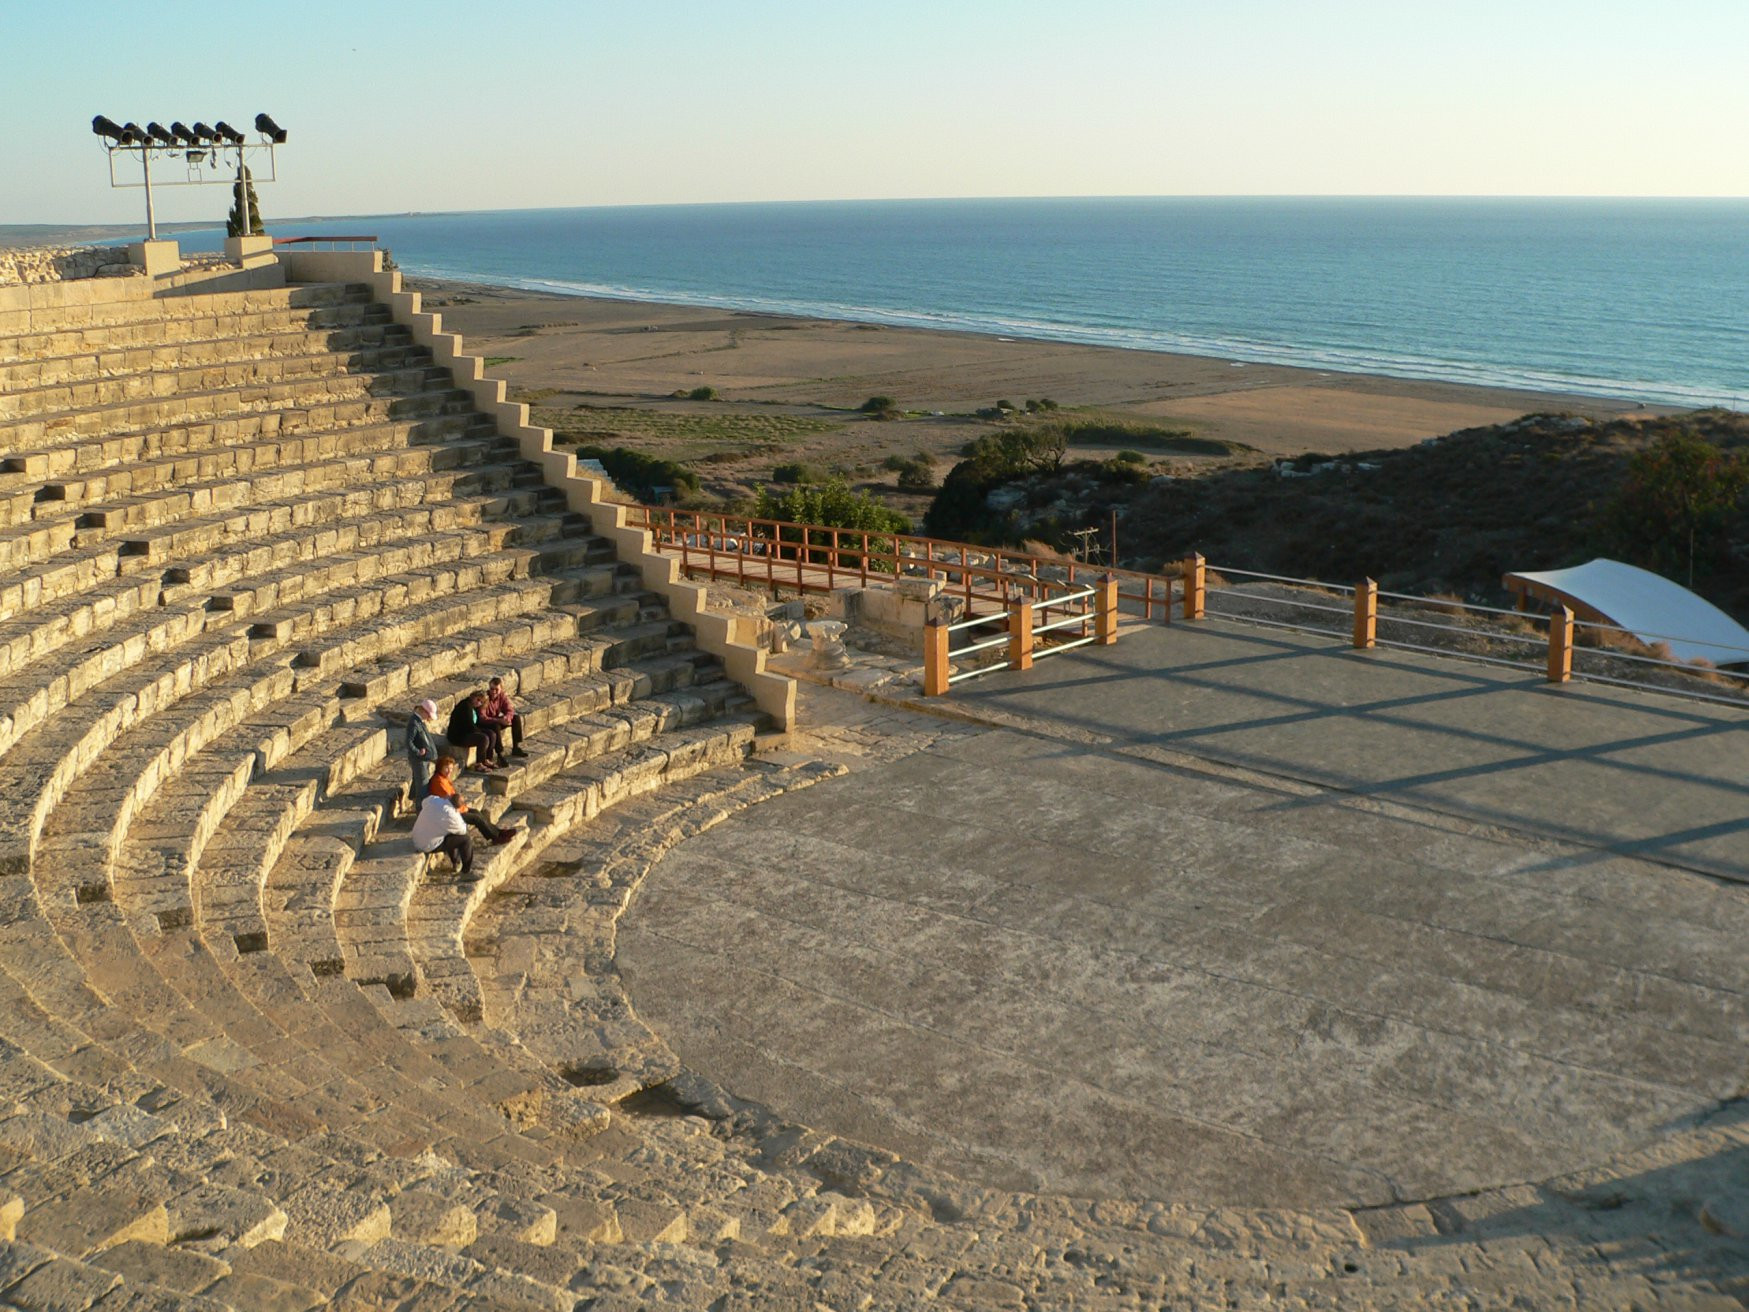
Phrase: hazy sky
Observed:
(441, 105)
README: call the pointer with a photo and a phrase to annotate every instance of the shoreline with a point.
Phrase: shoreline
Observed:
(556, 342)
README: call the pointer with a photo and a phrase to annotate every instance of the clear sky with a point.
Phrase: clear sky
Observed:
(441, 105)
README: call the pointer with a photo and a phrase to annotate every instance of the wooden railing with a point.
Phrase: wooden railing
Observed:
(810, 558)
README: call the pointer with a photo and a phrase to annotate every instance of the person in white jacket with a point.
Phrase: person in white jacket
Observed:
(439, 827)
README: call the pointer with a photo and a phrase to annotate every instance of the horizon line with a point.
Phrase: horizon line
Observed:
(900, 200)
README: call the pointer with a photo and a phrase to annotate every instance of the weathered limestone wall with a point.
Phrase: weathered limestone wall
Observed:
(715, 632)
(64, 263)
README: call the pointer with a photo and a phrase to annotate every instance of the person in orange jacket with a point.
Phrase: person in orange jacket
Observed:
(443, 785)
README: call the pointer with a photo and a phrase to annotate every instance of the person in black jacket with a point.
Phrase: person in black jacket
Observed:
(467, 728)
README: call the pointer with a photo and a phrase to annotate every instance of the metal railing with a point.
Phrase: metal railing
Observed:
(1025, 622)
(1563, 646)
(351, 243)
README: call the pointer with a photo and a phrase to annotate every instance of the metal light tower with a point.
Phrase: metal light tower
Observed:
(198, 148)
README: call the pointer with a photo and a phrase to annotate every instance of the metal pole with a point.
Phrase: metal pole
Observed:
(151, 219)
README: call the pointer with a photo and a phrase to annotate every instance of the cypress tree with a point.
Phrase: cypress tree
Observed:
(244, 220)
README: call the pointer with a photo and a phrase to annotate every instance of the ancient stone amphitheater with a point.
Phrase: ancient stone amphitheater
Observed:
(246, 1060)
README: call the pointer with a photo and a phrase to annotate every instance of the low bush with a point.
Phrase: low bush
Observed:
(798, 472)
(640, 474)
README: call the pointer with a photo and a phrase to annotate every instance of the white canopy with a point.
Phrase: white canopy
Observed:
(1647, 605)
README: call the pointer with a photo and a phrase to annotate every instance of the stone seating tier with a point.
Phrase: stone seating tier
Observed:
(255, 1051)
(236, 559)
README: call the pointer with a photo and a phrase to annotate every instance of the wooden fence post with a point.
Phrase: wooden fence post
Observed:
(935, 636)
(1561, 645)
(1020, 634)
(1366, 614)
(1195, 584)
(1105, 611)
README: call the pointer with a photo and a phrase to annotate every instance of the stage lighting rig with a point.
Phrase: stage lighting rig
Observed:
(199, 147)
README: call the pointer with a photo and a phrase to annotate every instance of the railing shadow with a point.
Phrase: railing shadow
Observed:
(1683, 1222)
(1458, 725)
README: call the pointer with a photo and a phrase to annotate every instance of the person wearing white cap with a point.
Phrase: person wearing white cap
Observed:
(421, 749)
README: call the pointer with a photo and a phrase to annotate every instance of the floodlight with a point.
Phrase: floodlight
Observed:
(198, 146)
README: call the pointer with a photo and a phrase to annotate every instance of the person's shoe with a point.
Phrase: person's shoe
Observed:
(505, 835)
(468, 877)
(517, 751)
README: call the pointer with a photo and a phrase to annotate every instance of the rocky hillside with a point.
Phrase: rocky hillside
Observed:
(1450, 515)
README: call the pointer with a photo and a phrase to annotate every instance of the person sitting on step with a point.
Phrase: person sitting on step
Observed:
(468, 729)
(443, 785)
(421, 750)
(439, 827)
(501, 714)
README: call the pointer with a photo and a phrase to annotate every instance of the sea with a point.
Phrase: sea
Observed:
(1644, 299)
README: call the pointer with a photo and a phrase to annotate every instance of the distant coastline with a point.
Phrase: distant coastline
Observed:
(1606, 299)
(547, 342)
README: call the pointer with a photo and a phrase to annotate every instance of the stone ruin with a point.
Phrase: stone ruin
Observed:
(248, 517)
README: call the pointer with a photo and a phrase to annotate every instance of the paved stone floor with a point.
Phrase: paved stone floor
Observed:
(1224, 917)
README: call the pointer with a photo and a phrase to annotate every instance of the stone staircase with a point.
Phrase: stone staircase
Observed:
(254, 1053)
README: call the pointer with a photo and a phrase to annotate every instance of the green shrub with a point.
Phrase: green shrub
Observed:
(917, 475)
(1130, 458)
(1677, 506)
(833, 505)
(702, 394)
(641, 474)
(828, 506)
(798, 472)
(1015, 451)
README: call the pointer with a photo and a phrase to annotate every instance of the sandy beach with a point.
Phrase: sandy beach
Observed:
(606, 352)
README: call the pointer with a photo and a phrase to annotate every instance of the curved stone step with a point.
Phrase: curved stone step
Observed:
(326, 425)
(227, 344)
(175, 373)
(158, 314)
(438, 913)
(408, 393)
(157, 332)
(70, 493)
(523, 941)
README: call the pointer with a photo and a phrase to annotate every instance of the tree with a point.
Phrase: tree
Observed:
(1677, 504)
(244, 220)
